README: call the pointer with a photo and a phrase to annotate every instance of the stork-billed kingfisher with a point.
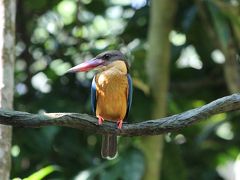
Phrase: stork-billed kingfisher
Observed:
(111, 93)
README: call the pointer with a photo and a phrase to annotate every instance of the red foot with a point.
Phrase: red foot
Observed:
(100, 120)
(119, 124)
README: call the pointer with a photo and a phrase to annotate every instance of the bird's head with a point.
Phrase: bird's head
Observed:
(102, 60)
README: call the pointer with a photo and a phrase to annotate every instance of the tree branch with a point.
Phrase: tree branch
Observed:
(151, 127)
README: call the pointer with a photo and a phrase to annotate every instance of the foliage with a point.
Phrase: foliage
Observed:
(55, 35)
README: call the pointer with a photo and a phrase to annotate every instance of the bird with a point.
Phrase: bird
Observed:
(111, 93)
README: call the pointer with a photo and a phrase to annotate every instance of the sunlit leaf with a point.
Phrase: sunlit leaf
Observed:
(42, 173)
(67, 10)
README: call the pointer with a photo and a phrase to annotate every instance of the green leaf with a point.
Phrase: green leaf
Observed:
(128, 166)
(40, 174)
(230, 11)
(220, 24)
(133, 167)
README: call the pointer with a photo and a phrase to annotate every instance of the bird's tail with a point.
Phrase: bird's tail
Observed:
(109, 146)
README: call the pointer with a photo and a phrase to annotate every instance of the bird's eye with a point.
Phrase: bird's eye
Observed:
(106, 56)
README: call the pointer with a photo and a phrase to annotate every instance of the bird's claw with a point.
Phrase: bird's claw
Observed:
(119, 124)
(100, 120)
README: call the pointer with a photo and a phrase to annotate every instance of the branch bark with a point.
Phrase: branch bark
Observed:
(89, 123)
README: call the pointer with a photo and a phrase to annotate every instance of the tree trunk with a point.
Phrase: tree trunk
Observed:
(158, 57)
(7, 57)
(231, 68)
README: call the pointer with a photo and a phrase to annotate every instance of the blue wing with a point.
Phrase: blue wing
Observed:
(93, 95)
(130, 92)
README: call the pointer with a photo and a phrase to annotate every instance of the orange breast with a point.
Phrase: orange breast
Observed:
(111, 94)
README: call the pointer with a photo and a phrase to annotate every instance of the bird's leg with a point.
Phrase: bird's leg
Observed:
(100, 120)
(119, 124)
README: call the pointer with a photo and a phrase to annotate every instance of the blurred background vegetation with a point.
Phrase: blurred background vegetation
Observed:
(53, 35)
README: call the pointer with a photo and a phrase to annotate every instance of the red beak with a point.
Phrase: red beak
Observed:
(86, 66)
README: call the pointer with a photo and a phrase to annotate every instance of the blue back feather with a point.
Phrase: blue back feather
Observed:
(93, 95)
(130, 92)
